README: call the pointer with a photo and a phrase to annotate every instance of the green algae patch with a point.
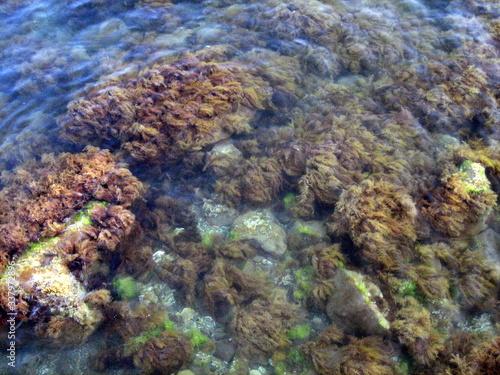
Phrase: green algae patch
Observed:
(290, 201)
(304, 278)
(300, 331)
(197, 338)
(474, 177)
(126, 287)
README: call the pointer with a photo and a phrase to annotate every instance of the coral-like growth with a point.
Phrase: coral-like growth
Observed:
(379, 216)
(460, 205)
(169, 110)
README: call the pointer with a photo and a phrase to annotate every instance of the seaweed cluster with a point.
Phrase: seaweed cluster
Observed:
(59, 216)
(374, 120)
(170, 110)
(39, 196)
(150, 338)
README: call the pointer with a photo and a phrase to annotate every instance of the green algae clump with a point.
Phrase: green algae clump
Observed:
(126, 287)
(300, 331)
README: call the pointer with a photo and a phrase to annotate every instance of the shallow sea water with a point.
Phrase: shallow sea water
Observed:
(332, 66)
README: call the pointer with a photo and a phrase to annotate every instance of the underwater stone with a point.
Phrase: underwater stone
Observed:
(111, 31)
(225, 350)
(259, 265)
(224, 157)
(217, 214)
(354, 304)
(475, 179)
(260, 226)
(306, 233)
(169, 40)
(489, 241)
(446, 141)
(186, 372)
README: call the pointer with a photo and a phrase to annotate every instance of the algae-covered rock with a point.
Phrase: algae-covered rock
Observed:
(462, 202)
(163, 354)
(59, 216)
(355, 304)
(169, 111)
(474, 177)
(261, 227)
(42, 281)
(223, 157)
(380, 217)
(306, 233)
(150, 337)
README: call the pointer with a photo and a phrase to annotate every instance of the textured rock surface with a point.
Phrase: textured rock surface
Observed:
(261, 227)
(355, 304)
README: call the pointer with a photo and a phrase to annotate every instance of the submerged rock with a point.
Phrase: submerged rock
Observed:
(355, 304)
(261, 227)
(306, 233)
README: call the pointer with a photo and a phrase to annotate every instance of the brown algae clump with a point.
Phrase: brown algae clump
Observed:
(54, 233)
(40, 196)
(462, 202)
(380, 218)
(150, 338)
(170, 110)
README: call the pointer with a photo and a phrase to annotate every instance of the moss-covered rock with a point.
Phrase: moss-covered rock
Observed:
(357, 305)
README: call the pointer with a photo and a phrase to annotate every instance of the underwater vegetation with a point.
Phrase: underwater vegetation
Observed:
(463, 201)
(39, 196)
(170, 110)
(322, 191)
(380, 218)
(150, 338)
(59, 216)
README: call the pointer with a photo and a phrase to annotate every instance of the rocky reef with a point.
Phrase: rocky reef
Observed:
(312, 188)
(171, 110)
(60, 217)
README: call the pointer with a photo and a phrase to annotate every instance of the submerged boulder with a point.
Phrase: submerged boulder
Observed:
(261, 227)
(357, 305)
